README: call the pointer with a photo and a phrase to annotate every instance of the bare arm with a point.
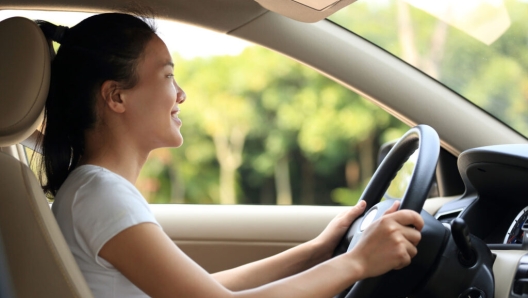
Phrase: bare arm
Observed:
(292, 261)
(150, 260)
(388, 243)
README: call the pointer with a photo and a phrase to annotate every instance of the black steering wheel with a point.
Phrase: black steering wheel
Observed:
(399, 283)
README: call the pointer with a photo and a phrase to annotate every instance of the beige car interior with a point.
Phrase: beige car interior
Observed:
(217, 237)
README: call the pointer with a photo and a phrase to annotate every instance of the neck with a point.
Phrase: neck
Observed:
(114, 153)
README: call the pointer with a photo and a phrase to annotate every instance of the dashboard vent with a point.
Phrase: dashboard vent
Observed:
(447, 217)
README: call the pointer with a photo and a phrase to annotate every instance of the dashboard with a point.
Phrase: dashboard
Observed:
(495, 204)
(495, 209)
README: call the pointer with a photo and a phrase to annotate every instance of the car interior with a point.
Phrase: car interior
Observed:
(480, 165)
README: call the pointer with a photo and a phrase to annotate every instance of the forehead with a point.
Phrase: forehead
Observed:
(156, 54)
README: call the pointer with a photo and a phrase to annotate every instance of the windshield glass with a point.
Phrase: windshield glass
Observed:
(478, 48)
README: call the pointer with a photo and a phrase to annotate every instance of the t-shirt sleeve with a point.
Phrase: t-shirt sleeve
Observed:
(102, 209)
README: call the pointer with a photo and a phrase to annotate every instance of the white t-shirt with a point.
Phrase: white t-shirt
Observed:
(92, 206)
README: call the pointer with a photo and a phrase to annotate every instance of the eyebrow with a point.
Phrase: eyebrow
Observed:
(169, 63)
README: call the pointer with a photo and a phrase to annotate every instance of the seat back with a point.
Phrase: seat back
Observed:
(5, 277)
(39, 260)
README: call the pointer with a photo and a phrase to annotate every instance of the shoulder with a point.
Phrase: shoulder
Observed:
(105, 199)
(101, 204)
(99, 190)
(100, 178)
(95, 181)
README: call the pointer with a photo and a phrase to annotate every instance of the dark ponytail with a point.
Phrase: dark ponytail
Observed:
(100, 48)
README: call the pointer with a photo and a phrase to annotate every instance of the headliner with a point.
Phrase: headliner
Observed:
(219, 15)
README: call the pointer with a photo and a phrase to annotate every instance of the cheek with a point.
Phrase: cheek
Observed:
(164, 93)
(156, 100)
(172, 92)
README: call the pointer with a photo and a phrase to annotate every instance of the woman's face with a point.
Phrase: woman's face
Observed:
(153, 104)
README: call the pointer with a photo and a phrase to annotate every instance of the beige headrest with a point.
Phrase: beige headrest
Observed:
(24, 78)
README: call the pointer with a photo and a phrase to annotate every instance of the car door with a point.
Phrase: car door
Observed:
(220, 237)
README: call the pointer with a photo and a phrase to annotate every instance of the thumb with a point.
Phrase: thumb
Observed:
(351, 214)
(393, 208)
(358, 208)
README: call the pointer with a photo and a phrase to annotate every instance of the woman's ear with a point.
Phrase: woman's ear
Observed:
(112, 97)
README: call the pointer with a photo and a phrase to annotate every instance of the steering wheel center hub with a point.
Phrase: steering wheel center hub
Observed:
(368, 219)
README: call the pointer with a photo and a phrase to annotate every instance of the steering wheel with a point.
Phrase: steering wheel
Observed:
(399, 283)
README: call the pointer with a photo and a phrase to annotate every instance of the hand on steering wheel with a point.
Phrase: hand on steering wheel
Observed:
(425, 140)
(389, 242)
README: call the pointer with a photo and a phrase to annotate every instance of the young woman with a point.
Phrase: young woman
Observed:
(112, 100)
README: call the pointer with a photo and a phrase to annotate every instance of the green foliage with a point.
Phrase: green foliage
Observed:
(346, 196)
(493, 77)
(401, 181)
(282, 109)
(246, 114)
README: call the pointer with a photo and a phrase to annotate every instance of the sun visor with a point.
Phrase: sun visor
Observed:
(308, 11)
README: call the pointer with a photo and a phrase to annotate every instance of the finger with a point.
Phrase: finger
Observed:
(351, 214)
(393, 208)
(405, 255)
(412, 235)
(358, 209)
(412, 250)
(361, 204)
(409, 218)
(409, 252)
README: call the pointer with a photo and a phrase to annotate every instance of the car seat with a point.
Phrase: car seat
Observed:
(39, 260)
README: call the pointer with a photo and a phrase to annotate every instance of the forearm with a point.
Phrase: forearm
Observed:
(287, 263)
(324, 280)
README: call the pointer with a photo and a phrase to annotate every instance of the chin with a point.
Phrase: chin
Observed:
(177, 142)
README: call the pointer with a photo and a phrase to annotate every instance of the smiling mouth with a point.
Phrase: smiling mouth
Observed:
(174, 116)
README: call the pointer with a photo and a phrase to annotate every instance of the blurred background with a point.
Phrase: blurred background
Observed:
(260, 128)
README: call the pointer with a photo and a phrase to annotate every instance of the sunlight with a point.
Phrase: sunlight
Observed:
(186, 40)
(485, 20)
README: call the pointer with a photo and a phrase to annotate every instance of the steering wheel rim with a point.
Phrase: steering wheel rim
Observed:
(422, 138)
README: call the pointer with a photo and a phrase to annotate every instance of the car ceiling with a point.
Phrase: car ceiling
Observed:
(219, 15)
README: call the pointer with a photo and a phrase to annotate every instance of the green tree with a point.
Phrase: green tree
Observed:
(216, 89)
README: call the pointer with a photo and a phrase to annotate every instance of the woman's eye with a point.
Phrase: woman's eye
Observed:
(170, 75)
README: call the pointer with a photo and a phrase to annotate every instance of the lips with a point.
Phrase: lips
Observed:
(174, 116)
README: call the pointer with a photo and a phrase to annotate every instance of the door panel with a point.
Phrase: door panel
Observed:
(220, 237)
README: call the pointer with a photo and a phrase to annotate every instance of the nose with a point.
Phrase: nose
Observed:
(181, 97)
(180, 94)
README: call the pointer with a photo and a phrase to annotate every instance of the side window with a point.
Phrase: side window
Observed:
(33, 159)
(259, 128)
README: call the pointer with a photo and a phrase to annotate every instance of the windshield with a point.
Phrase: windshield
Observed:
(478, 48)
